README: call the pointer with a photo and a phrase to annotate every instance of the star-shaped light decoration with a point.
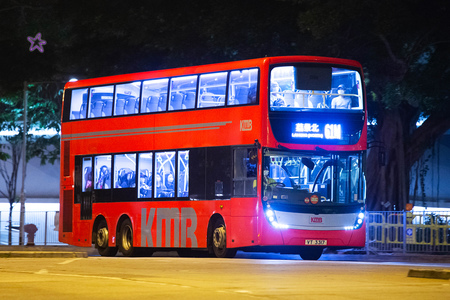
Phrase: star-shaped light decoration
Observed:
(37, 43)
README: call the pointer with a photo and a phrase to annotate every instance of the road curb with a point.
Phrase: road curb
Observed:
(42, 254)
(432, 274)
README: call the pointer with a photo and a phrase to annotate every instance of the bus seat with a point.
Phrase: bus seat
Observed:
(130, 104)
(280, 175)
(125, 178)
(120, 105)
(355, 101)
(144, 173)
(242, 95)
(144, 108)
(97, 109)
(82, 113)
(152, 104)
(289, 98)
(206, 100)
(88, 178)
(315, 101)
(136, 106)
(175, 101)
(162, 103)
(252, 94)
(108, 108)
(189, 100)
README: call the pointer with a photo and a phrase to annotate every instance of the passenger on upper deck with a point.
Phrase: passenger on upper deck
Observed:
(341, 101)
(276, 97)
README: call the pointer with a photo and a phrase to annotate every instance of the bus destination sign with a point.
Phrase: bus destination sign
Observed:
(316, 131)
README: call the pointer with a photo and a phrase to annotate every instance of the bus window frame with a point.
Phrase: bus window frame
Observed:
(320, 110)
(67, 109)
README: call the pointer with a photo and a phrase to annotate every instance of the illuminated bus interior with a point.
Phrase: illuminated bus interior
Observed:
(237, 87)
(166, 175)
(301, 87)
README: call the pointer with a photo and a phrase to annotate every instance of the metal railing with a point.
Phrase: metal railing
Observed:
(408, 232)
(47, 223)
(387, 231)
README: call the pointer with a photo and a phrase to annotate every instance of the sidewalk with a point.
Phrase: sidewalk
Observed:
(45, 251)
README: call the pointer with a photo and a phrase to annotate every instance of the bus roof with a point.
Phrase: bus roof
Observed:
(241, 64)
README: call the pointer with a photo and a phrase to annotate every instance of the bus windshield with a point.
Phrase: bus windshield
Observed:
(296, 178)
(318, 87)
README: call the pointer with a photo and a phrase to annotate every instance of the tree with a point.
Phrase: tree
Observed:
(403, 46)
(44, 112)
(9, 175)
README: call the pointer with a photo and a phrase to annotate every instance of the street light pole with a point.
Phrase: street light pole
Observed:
(24, 163)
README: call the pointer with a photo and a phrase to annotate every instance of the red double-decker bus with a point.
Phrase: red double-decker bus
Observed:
(256, 155)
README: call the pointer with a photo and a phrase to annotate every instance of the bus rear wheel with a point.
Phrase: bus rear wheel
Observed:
(219, 241)
(311, 253)
(125, 239)
(101, 240)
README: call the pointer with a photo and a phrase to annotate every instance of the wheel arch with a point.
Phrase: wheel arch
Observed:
(122, 218)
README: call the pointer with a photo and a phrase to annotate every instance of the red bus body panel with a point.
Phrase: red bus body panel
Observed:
(244, 218)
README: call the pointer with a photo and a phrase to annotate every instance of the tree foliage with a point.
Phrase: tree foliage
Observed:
(43, 113)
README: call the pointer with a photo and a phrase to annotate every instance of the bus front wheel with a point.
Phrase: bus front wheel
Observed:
(311, 253)
(101, 240)
(219, 241)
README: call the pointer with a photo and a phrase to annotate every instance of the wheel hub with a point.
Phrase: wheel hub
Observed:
(219, 237)
(127, 238)
(102, 237)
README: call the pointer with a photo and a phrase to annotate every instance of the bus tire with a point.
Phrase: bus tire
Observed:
(101, 240)
(311, 253)
(125, 239)
(219, 241)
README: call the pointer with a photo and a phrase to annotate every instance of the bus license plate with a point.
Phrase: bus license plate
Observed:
(316, 242)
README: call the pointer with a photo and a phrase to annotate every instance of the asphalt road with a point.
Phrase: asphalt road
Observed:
(168, 277)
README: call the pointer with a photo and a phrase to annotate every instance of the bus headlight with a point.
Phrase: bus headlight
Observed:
(359, 220)
(270, 214)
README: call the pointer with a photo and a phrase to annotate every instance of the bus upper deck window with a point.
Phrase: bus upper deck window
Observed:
(182, 92)
(154, 95)
(243, 85)
(212, 88)
(101, 101)
(78, 106)
(127, 98)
